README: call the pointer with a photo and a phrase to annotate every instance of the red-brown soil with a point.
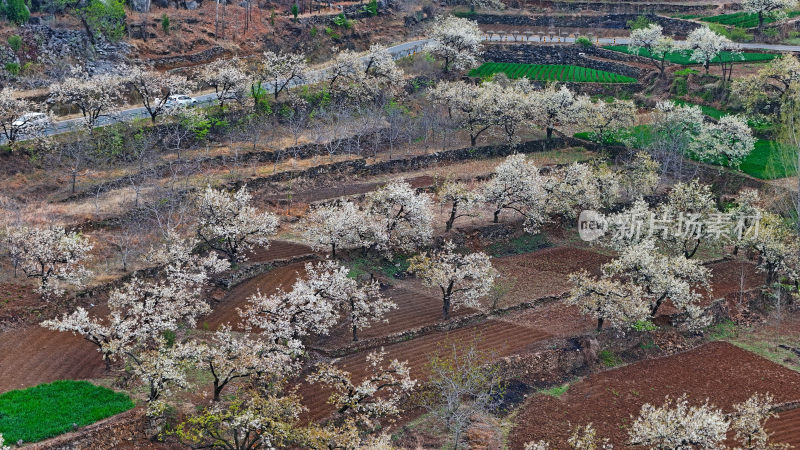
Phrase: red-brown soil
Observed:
(278, 250)
(18, 301)
(226, 310)
(501, 338)
(414, 310)
(786, 427)
(544, 272)
(730, 278)
(34, 355)
(718, 371)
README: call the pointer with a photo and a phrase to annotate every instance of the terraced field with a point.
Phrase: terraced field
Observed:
(742, 19)
(549, 72)
(685, 58)
(786, 427)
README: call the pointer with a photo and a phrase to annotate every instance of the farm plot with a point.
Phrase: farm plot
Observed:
(501, 338)
(718, 371)
(786, 427)
(547, 72)
(742, 19)
(684, 58)
(34, 355)
(278, 250)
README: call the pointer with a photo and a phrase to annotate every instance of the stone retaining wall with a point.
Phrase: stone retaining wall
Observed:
(672, 26)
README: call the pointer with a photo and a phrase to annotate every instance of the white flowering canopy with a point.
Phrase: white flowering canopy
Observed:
(455, 40)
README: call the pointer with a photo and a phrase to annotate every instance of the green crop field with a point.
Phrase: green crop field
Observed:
(545, 72)
(770, 160)
(742, 19)
(684, 58)
(48, 410)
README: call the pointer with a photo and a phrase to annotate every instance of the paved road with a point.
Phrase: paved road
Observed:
(63, 126)
(397, 51)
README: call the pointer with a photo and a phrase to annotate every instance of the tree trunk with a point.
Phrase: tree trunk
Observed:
(600, 321)
(497, 216)
(549, 133)
(453, 211)
(446, 306)
(355, 333)
(656, 306)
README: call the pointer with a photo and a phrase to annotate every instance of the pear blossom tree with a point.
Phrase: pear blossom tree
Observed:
(651, 42)
(678, 425)
(639, 177)
(580, 186)
(281, 70)
(748, 422)
(403, 217)
(366, 306)
(729, 139)
(13, 122)
(774, 9)
(251, 421)
(229, 356)
(154, 89)
(338, 226)
(508, 106)
(552, 108)
(695, 202)
(605, 120)
(377, 396)
(140, 311)
(771, 91)
(226, 76)
(582, 438)
(467, 104)
(94, 95)
(361, 78)
(705, 45)
(462, 200)
(51, 254)
(462, 279)
(517, 186)
(660, 277)
(676, 127)
(160, 369)
(608, 300)
(227, 222)
(457, 41)
(775, 246)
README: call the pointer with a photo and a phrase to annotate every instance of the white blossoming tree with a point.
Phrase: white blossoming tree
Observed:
(51, 254)
(226, 76)
(748, 420)
(14, 124)
(140, 311)
(730, 140)
(159, 369)
(94, 95)
(553, 107)
(705, 45)
(660, 277)
(609, 301)
(517, 186)
(281, 70)
(229, 356)
(774, 9)
(606, 120)
(154, 89)
(366, 306)
(678, 425)
(461, 199)
(468, 104)
(403, 216)
(457, 41)
(338, 226)
(462, 279)
(227, 222)
(775, 246)
(651, 42)
(377, 396)
(639, 177)
(580, 186)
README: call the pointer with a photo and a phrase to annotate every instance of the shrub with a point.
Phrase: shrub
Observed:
(680, 86)
(12, 68)
(584, 41)
(295, 11)
(17, 12)
(371, 8)
(556, 391)
(314, 31)
(165, 23)
(639, 23)
(609, 358)
(15, 42)
(107, 18)
(342, 21)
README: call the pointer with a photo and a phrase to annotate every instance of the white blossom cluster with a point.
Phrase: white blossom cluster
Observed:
(455, 40)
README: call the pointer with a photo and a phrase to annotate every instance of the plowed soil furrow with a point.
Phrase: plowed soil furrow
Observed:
(500, 338)
(786, 427)
(718, 371)
(226, 309)
(342, 190)
(413, 310)
(278, 250)
(34, 355)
